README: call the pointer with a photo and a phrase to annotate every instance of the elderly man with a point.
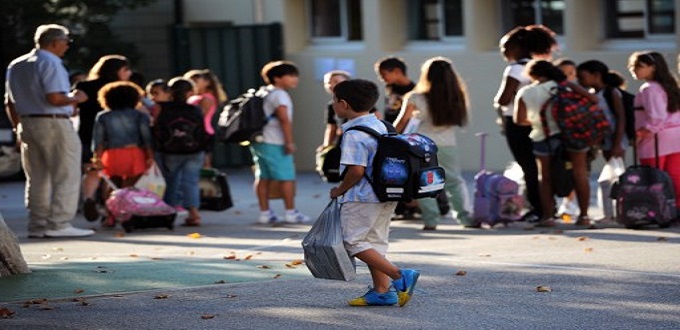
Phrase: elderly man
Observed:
(39, 105)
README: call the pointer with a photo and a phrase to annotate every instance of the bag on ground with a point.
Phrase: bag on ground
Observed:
(243, 119)
(497, 198)
(215, 193)
(152, 180)
(136, 208)
(581, 122)
(324, 250)
(405, 166)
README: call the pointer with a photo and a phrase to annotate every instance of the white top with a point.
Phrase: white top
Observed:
(272, 131)
(534, 97)
(515, 71)
(441, 135)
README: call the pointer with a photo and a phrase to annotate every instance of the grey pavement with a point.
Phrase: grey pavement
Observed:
(610, 278)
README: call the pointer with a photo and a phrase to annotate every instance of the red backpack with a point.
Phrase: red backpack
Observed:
(582, 123)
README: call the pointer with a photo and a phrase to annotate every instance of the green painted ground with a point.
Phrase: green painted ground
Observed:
(68, 280)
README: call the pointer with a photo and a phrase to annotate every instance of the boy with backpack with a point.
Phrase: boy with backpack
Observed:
(365, 220)
(273, 156)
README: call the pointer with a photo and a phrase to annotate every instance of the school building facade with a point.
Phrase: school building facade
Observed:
(320, 35)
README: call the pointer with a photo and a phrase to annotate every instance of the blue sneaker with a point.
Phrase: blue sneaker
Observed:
(372, 298)
(405, 285)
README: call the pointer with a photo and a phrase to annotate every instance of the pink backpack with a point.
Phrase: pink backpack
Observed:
(126, 202)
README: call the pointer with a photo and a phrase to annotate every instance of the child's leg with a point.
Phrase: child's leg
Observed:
(288, 192)
(381, 269)
(581, 182)
(547, 199)
(261, 187)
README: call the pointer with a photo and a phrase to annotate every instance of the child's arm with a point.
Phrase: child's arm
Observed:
(404, 117)
(521, 117)
(353, 175)
(287, 128)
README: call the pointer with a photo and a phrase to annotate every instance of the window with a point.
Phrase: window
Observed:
(527, 12)
(435, 19)
(336, 19)
(640, 18)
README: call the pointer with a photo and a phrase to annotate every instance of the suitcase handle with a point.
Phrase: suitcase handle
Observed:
(482, 153)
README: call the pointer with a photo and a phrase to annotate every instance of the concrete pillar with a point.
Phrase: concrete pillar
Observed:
(482, 24)
(384, 25)
(583, 25)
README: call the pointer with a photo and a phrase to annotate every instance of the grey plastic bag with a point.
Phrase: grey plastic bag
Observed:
(325, 253)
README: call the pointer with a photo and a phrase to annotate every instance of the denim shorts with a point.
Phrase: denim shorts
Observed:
(272, 163)
(548, 146)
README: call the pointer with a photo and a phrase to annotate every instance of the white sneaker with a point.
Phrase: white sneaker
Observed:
(296, 217)
(569, 207)
(269, 219)
(69, 231)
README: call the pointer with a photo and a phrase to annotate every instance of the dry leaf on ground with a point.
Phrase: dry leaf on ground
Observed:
(264, 267)
(119, 234)
(230, 257)
(662, 239)
(461, 273)
(220, 282)
(231, 296)
(194, 235)
(582, 238)
(208, 316)
(248, 257)
(6, 313)
(78, 291)
(543, 288)
(277, 275)
(161, 296)
(588, 250)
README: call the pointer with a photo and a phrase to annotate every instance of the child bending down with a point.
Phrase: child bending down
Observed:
(365, 220)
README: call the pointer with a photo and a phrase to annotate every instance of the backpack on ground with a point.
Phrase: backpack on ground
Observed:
(214, 188)
(243, 118)
(582, 123)
(628, 101)
(644, 195)
(405, 166)
(180, 131)
(497, 198)
(137, 208)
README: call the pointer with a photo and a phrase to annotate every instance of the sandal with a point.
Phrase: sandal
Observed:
(192, 222)
(583, 220)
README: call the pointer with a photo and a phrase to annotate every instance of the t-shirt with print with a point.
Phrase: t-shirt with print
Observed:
(515, 71)
(272, 132)
(359, 148)
(394, 97)
(534, 97)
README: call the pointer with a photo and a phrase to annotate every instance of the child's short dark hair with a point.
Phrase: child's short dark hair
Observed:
(278, 69)
(389, 64)
(179, 87)
(360, 94)
(119, 95)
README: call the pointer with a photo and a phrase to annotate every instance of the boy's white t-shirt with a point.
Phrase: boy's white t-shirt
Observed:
(272, 132)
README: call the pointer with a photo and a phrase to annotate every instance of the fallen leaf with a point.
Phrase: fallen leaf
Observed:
(277, 275)
(558, 231)
(220, 282)
(119, 234)
(552, 238)
(536, 237)
(36, 301)
(6, 313)
(588, 250)
(47, 308)
(582, 238)
(461, 273)
(263, 267)
(290, 265)
(78, 291)
(117, 296)
(46, 256)
(230, 257)
(543, 288)
(231, 296)
(63, 258)
(56, 249)
(297, 262)
(248, 257)
(84, 303)
(161, 296)
(156, 258)
(194, 235)
(662, 239)
(133, 255)
(484, 255)
(191, 253)
(208, 316)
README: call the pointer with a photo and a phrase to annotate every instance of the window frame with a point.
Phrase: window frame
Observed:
(509, 21)
(614, 32)
(419, 22)
(344, 18)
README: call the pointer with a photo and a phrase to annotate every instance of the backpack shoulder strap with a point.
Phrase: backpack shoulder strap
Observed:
(372, 132)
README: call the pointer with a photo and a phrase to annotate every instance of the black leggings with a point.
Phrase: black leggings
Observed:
(522, 149)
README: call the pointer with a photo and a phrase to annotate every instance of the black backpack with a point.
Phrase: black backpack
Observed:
(405, 166)
(243, 118)
(180, 129)
(628, 101)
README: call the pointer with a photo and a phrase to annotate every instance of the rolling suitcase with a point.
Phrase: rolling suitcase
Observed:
(214, 187)
(497, 198)
(137, 208)
(644, 195)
